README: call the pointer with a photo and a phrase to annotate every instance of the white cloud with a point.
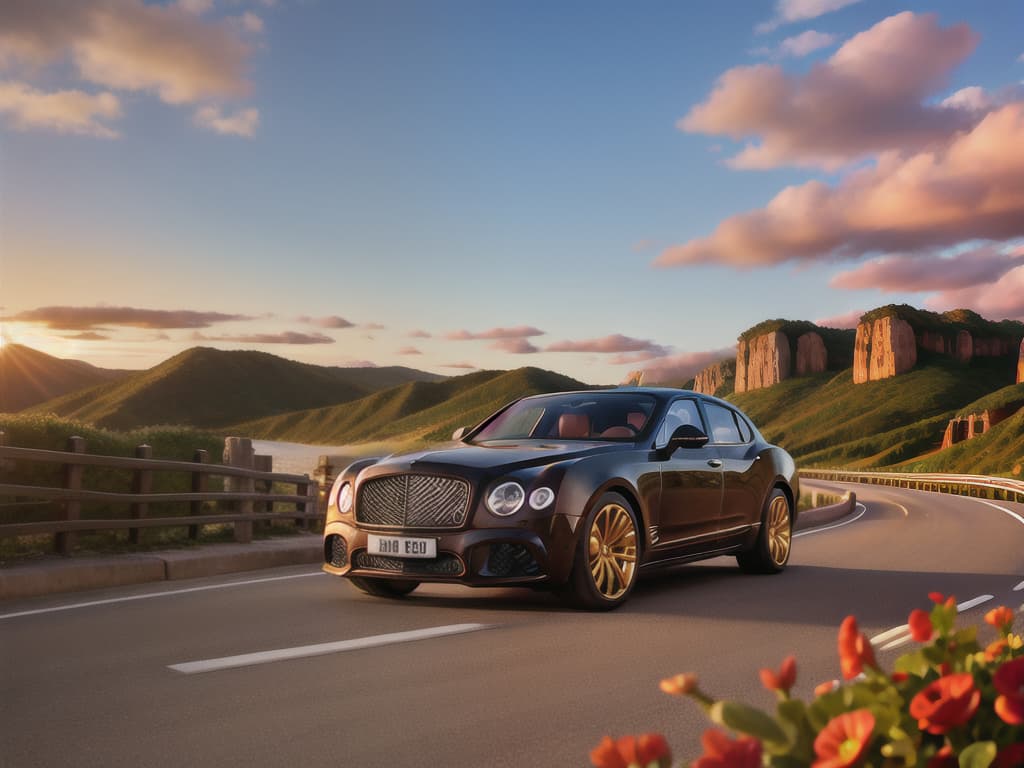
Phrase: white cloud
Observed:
(241, 123)
(62, 111)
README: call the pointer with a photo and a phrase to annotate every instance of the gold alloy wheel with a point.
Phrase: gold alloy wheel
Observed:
(613, 551)
(779, 530)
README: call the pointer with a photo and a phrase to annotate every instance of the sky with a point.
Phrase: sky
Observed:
(588, 187)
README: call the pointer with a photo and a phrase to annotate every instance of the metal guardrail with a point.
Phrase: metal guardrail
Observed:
(977, 486)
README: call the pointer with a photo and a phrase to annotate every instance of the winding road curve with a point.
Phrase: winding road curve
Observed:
(116, 678)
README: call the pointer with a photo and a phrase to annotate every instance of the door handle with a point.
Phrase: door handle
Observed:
(716, 463)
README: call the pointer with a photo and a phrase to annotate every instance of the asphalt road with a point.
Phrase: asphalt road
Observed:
(538, 685)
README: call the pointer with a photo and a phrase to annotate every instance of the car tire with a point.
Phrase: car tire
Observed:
(770, 552)
(383, 587)
(605, 566)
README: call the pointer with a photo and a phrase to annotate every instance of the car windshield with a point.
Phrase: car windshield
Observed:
(578, 416)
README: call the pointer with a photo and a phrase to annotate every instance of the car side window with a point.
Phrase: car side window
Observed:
(724, 424)
(680, 412)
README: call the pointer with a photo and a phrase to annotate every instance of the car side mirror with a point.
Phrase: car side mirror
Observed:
(460, 433)
(685, 436)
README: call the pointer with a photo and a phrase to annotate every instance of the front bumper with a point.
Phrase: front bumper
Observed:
(540, 552)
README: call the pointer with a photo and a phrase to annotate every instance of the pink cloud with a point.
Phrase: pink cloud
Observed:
(683, 366)
(930, 272)
(130, 45)
(287, 337)
(419, 334)
(616, 343)
(514, 346)
(460, 366)
(409, 351)
(870, 96)
(790, 11)
(805, 43)
(847, 320)
(71, 111)
(519, 332)
(66, 318)
(1001, 300)
(973, 188)
(331, 321)
(88, 336)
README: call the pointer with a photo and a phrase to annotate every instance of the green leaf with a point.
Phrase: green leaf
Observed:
(748, 720)
(978, 755)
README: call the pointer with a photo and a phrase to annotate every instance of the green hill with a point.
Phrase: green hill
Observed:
(211, 388)
(413, 413)
(28, 377)
(1000, 451)
(828, 421)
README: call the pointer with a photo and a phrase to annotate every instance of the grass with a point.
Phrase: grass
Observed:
(412, 415)
(210, 389)
(826, 420)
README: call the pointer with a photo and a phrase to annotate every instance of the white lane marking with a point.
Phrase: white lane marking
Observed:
(148, 595)
(902, 632)
(1019, 587)
(303, 651)
(1010, 512)
(860, 506)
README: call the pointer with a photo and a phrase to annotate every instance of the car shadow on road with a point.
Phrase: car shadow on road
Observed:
(805, 594)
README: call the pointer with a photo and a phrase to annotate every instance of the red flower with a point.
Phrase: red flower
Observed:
(784, 679)
(630, 751)
(855, 650)
(946, 703)
(844, 740)
(944, 758)
(722, 752)
(1009, 681)
(1010, 757)
(920, 624)
(679, 685)
(995, 649)
(1001, 618)
(936, 597)
(827, 687)
(899, 677)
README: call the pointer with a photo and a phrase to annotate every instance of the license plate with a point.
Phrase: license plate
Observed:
(400, 546)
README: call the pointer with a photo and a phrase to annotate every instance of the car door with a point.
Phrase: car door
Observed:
(743, 488)
(691, 484)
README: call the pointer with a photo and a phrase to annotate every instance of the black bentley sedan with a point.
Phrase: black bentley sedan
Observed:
(575, 491)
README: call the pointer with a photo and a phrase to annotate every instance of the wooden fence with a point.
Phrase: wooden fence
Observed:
(247, 497)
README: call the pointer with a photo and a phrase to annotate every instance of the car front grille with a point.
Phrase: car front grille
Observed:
(413, 501)
(444, 565)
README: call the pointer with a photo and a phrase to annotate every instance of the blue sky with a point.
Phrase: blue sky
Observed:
(449, 185)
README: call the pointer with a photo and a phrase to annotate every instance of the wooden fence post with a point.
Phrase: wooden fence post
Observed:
(238, 452)
(142, 482)
(302, 489)
(264, 464)
(200, 481)
(64, 541)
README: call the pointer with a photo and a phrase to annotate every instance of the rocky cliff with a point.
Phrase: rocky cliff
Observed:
(714, 377)
(777, 350)
(973, 424)
(1020, 365)
(889, 339)
(883, 348)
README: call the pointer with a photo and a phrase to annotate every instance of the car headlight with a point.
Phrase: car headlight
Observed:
(541, 498)
(345, 498)
(506, 499)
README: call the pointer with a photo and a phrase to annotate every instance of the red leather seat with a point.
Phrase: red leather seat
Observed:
(618, 432)
(574, 426)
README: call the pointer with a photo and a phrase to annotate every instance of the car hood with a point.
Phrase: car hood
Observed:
(503, 456)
